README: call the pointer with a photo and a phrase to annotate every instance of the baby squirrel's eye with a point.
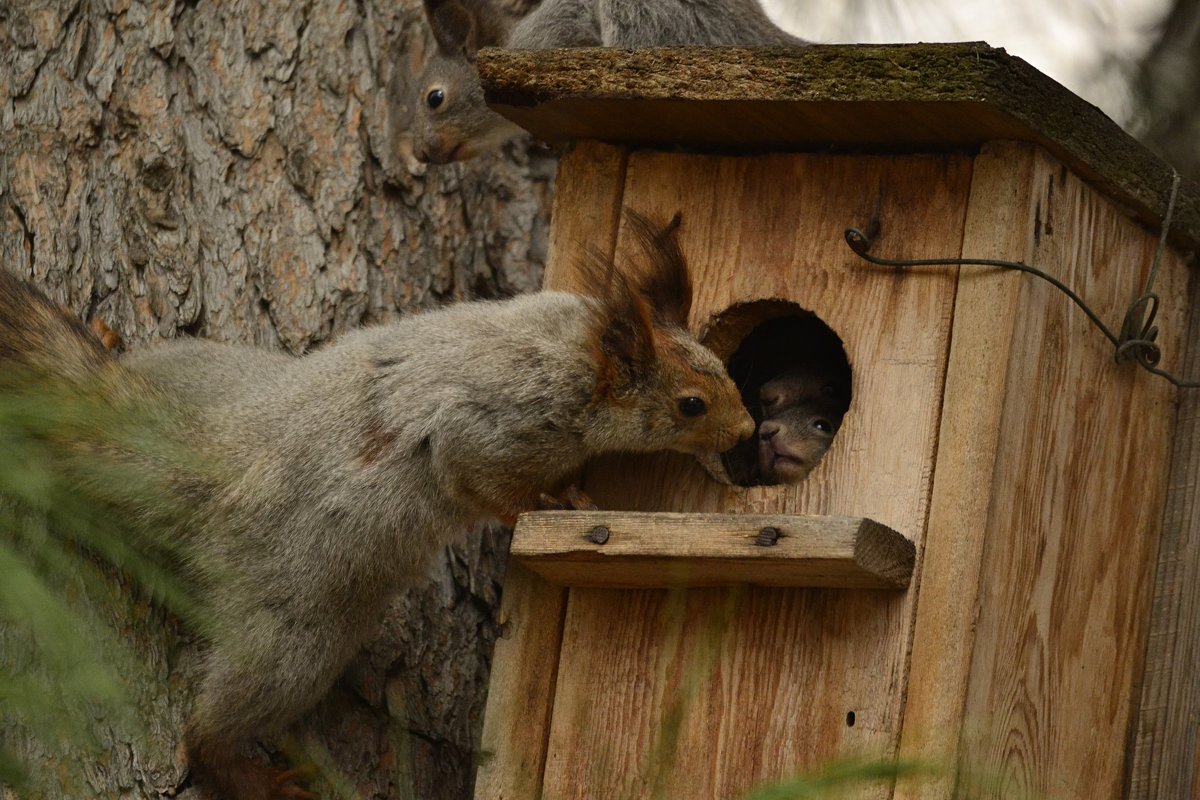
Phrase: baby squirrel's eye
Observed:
(692, 406)
(435, 98)
(822, 425)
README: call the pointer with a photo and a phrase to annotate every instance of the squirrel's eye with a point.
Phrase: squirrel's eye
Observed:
(692, 406)
(435, 98)
(822, 425)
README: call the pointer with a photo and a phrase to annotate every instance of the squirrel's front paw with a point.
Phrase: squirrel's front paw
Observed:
(109, 339)
(573, 499)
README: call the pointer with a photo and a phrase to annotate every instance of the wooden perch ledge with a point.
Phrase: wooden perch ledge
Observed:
(627, 550)
(887, 98)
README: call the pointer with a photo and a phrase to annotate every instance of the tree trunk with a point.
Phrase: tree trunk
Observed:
(1167, 89)
(238, 170)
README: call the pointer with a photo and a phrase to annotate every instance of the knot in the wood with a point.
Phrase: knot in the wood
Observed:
(597, 535)
(157, 175)
(767, 537)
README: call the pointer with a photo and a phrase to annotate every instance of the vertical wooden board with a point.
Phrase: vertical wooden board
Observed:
(1077, 498)
(516, 723)
(758, 228)
(591, 179)
(772, 227)
(1167, 737)
(1004, 205)
(740, 683)
(587, 204)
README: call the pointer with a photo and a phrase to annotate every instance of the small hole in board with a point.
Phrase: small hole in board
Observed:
(849, 719)
(795, 380)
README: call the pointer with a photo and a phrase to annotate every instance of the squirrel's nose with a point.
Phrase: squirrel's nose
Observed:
(427, 149)
(767, 430)
(746, 429)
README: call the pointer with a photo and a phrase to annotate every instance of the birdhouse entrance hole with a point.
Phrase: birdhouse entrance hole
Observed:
(794, 379)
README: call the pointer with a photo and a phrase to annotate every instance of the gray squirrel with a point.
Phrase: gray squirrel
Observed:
(347, 469)
(451, 122)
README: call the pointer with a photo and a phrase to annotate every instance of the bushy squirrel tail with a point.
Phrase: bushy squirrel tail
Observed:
(36, 334)
(117, 446)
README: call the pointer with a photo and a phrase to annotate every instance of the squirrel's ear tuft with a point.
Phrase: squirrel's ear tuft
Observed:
(624, 338)
(664, 280)
(454, 26)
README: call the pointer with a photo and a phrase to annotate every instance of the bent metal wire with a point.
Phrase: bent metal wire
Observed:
(1137, 339)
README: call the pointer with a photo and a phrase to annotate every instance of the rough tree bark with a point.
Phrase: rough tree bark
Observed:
(238, 170)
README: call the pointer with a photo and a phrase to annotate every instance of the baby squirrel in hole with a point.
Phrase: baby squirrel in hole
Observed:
(801, 412)
(451, 122)
(347, 469)
(795, 379)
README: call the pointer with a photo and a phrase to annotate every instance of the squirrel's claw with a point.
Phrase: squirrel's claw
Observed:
(548, 502)
(577, 499)
(573, 499)
(286, 788)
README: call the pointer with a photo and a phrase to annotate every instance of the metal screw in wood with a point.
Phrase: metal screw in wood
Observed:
(768, 537)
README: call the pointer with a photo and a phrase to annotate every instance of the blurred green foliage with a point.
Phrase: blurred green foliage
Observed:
(93, 485)
(842, 779)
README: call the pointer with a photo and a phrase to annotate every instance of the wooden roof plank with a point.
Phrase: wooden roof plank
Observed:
(831, 97)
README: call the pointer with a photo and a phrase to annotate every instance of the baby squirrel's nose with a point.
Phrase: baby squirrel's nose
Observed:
(767, 430)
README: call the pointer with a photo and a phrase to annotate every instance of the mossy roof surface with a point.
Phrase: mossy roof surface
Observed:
(852, 98)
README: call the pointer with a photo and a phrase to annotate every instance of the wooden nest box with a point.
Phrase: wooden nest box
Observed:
(1044, 646)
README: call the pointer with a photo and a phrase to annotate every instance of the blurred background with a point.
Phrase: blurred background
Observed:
(1138, 60)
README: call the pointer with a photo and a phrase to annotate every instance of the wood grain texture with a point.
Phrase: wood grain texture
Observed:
(923, 97)
(522, 689)
(1003, 206)
(1073, 527)
(756, 228)
(1166, 737)
(239, 170)
(524, 673)
(707, 692)
(661, 551)
(710, 691)
(586, 209)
